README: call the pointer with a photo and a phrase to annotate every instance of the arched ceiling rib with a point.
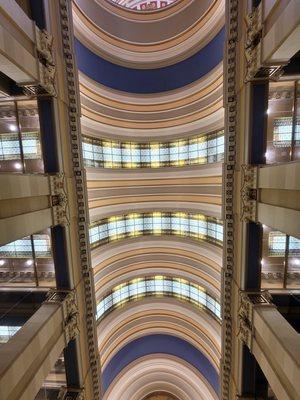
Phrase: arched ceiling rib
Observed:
(206, 124)
(203, 252)
(195, 189)
(155, 101)
(160, 396)
(159, 316)
(199, 262)
(92, 105)
(162, 372)
(160, 344)
(151, 80)
(157, 264)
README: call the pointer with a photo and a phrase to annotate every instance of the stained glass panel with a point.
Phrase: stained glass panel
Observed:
(158, 286)
(205, 149)
(195, 226)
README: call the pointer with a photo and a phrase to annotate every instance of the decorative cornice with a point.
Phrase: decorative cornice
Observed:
(44, 45)
(249, 192)
(78, 168)
(230, 100)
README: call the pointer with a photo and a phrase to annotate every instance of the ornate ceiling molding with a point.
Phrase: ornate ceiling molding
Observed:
(134, 124)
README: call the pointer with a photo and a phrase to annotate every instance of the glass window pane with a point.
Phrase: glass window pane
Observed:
(199, 150)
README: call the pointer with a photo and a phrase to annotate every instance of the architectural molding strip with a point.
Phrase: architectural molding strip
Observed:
(230, 100)
(75, 141)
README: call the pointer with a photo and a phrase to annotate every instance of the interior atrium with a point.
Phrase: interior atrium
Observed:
(149, 199)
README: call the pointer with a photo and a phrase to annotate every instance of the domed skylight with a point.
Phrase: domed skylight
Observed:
(143, 5)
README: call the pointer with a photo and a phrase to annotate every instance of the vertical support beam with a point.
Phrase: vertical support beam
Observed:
(71, 365)
(254, 383)
(253, 256)
(48, 135)
(38, 13)
(258, 122)
(60, 257)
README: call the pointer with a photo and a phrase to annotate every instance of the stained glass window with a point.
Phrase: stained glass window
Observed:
(203, 149)
(196, 226)
(158, 286)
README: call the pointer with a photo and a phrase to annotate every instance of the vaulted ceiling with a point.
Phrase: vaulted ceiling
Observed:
(152, 119)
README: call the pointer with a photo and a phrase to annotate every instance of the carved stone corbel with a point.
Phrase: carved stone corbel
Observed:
(68, 301)
(245, 320)
(254, 24)
(45, 85)
(47, 78)
(253, 61)
(67, 393)
(44, 45)
(59, 199)
(249, 192)
(248, 302)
